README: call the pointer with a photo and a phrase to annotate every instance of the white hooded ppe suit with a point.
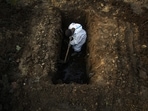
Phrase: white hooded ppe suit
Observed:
(79, 36)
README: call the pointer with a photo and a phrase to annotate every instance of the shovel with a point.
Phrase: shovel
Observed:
(67, 50)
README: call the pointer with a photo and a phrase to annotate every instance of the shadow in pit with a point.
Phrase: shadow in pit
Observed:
(74, 70)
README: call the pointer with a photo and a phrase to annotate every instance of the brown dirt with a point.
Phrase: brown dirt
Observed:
(31, 34)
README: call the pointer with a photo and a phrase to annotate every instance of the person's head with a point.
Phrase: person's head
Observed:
(69, 32)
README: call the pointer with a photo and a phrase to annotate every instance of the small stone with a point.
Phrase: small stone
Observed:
(74, 89)
(116, 57)
(18, 47)
(43, 64)
(107, 83)
(102, 4)
(106, 9)
(123, 82)
(143, 46)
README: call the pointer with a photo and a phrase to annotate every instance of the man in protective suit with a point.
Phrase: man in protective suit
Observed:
(77, 35)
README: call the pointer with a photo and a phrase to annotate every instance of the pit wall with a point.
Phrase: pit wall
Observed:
(109, 48)
(42, 50)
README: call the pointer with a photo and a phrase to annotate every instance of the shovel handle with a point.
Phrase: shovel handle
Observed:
(67, 50)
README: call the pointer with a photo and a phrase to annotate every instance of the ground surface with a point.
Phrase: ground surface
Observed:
(31, 34)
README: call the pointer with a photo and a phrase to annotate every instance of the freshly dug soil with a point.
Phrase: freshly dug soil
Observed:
(114, 58)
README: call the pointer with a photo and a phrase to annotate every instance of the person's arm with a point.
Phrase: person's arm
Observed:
(73, 42)
(77, 40)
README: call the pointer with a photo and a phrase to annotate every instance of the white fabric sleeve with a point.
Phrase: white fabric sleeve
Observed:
(73, 42)
(77, 40)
